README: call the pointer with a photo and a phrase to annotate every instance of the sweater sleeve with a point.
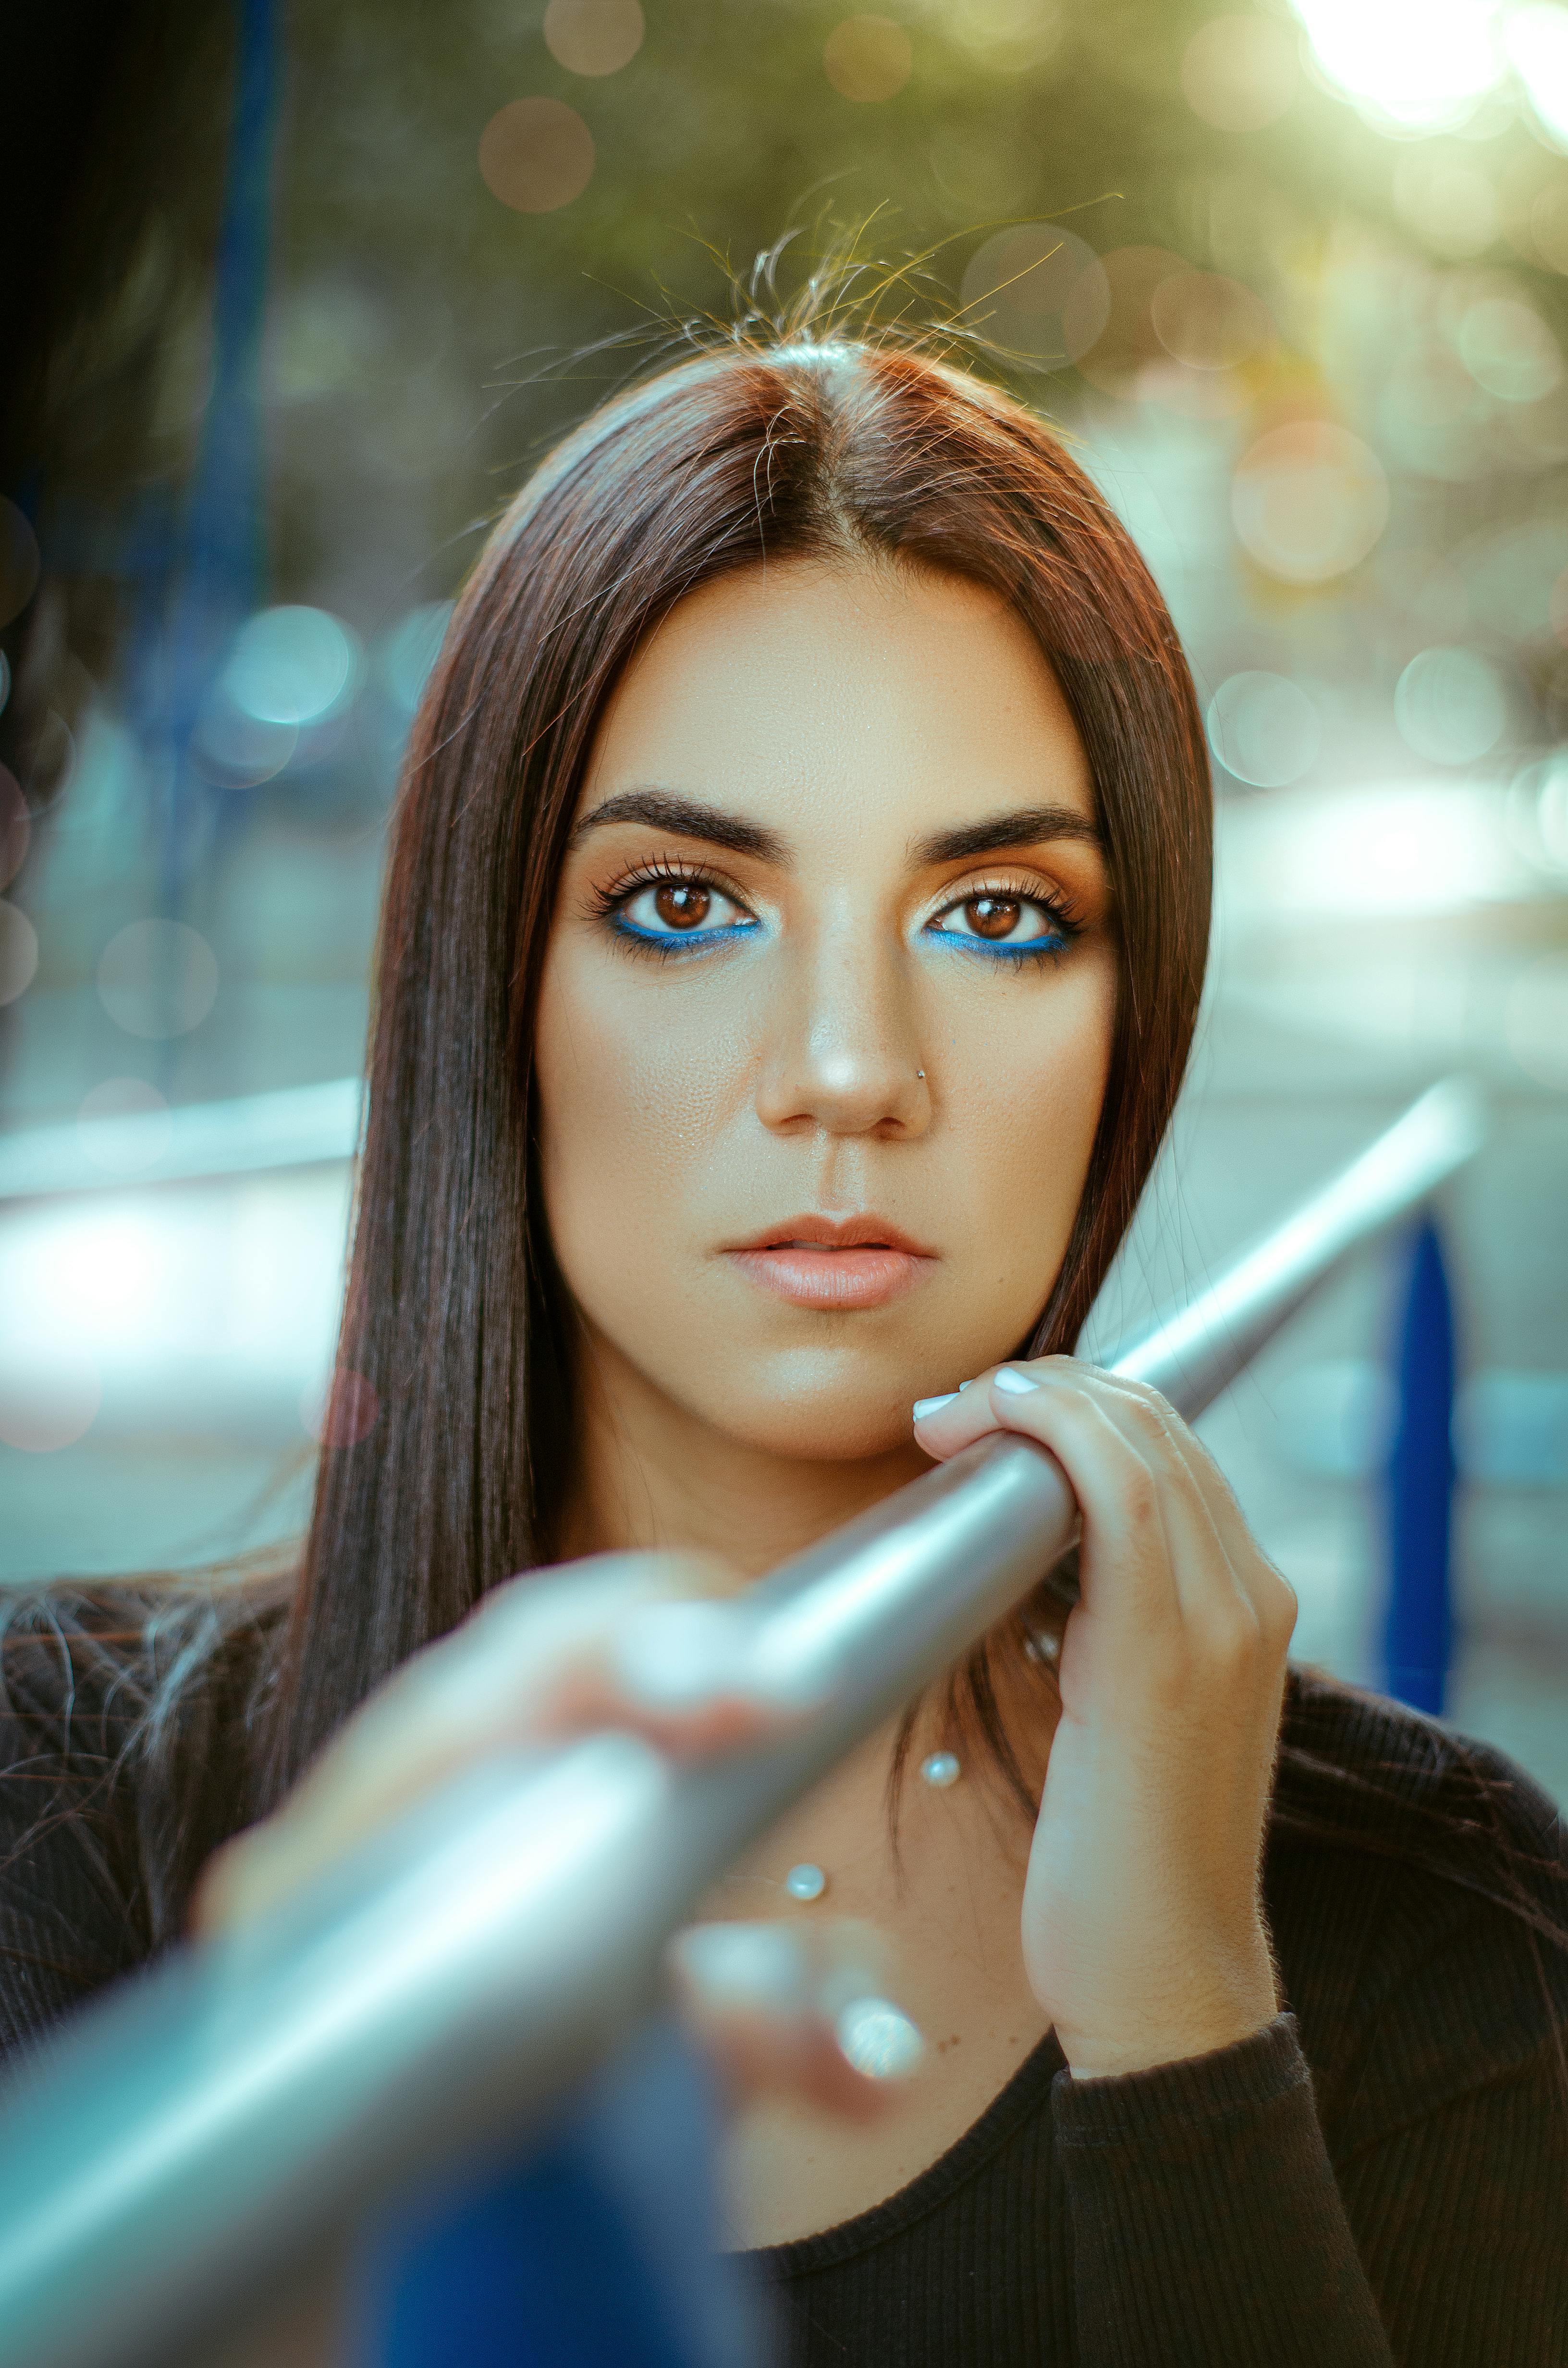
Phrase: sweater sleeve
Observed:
(1208, 2228)
(1210, 2225)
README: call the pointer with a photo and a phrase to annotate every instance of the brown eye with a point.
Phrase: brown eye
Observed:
(992, 916)
(681, 905)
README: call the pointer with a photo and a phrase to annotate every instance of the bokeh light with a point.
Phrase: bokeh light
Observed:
(1039, 291)
(536, 155)
(235, 750)
(1537, 41)
(1451, 706)
(1265, 729)
(1452, 205)
(290, 666)
(344, 1413)
(1409, 65)
(593, 37)
(409, 650)
(867, 57)
(1434, 847)
(1007, 35)
(1508, 349)
(1309, 501)
(1208, 322)
(118, 1149)
(1537, 813)
(158, 978)
(18, 951)
(1128, 344)
(18, 561)
(1240, 74)
(15, 827)
(82, 1290)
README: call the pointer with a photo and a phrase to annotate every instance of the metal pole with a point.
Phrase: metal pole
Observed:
(193, 2132)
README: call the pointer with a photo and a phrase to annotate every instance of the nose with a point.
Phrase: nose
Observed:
(844, 1052)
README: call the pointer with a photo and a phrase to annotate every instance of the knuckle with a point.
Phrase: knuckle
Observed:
(1141, 1503)
(1234, 1636)
(1157, 1411)
(1280, 1609)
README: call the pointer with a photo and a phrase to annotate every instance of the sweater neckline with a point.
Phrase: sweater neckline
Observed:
(1013, 2102)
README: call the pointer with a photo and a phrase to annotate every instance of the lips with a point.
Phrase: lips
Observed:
(836, 1264)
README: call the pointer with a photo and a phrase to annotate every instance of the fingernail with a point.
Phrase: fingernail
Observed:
(881, 2042)
(924, 1407)
(969, 1383)
(757, 1966)
(1012, 1383)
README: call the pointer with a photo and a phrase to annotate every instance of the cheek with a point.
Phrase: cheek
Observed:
(1026, 1092)
(633, 1094)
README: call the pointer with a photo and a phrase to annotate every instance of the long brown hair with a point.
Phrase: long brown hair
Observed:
(455, 1317)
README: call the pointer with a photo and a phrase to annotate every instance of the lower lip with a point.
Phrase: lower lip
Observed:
(868, 1276)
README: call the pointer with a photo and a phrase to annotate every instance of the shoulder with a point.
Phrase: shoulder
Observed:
(1417, 1889)
(122, 1764)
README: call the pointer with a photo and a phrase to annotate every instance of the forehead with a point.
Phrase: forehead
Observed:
(809, 694)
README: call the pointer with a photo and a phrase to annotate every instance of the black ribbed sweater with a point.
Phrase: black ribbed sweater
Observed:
(1381, 2176)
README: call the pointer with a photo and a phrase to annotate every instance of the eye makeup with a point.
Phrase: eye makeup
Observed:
(669, 908)
(1009, 921)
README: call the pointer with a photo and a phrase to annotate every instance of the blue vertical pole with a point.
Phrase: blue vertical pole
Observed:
(1417, 1640)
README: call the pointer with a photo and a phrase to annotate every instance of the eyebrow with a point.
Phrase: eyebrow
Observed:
(1014, 826)
(687, 818)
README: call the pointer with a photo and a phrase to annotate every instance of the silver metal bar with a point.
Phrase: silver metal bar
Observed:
(190, 2134)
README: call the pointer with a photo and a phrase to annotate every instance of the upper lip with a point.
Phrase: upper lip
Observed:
(835, 1234)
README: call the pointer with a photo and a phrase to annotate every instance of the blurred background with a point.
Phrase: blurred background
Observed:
(291, 300)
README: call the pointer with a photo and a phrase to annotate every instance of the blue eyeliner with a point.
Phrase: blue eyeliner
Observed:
(681, 941)
(1032, 950)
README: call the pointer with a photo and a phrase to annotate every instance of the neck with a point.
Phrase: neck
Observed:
(650, 1475)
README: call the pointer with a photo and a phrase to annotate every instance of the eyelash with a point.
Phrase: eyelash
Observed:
(1060, 914)
(611, 902)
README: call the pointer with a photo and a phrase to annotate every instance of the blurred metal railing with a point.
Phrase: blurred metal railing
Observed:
(187, 2135)
(301, 1126)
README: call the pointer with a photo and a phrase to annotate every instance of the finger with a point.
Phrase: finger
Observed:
(1174, 1449)
(1117, 1491)
(1149, 1528)
(955, 1418)
(536, 1664)
(800, 2014)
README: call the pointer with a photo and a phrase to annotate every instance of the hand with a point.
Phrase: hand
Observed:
(639, 1641)
(1143, 1933)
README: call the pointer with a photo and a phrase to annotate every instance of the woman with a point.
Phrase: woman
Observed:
(794, 929)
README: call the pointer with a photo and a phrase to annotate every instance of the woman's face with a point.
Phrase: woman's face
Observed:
(826, 1007)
